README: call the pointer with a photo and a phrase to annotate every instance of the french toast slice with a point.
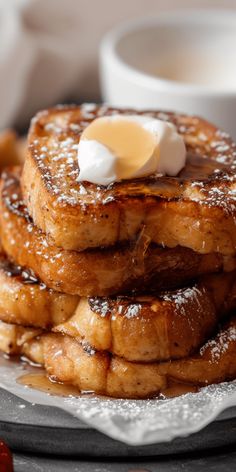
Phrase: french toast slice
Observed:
(67, 361)
(196, 209)
(25, 300)
(97, 272)
(170, 325)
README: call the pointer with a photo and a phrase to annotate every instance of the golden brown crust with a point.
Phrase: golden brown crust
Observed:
(95, 272)
(24, 300)
(214, 363)
(143, 329)
(67, 361)
(98, 372)
(196, 209)
(148, 328)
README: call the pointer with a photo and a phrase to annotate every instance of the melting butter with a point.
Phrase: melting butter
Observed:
(121, 147)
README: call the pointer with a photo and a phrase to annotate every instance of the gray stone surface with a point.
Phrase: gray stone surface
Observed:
(221, 462)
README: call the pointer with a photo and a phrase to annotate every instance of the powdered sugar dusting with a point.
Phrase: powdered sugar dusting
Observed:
(133, 310)
(183, 295)
(219, 346)
(100, 305)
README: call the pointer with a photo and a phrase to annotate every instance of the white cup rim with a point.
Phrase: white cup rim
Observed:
(111, 39)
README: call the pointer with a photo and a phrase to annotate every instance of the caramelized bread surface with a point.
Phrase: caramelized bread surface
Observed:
(113, 376)
(195, 209)
(66, 360)
(26, 301)
(214, 363)
(96, 272)
(138, 328)
(153, 328)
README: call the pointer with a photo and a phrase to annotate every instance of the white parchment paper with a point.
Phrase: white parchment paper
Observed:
(135, 422)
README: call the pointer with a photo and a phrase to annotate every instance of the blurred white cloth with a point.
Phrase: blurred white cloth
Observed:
(39, 55)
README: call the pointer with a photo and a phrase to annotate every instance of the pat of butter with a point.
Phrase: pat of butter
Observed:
(121, 147)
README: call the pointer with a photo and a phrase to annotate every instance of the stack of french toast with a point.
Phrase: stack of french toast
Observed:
(125, 289)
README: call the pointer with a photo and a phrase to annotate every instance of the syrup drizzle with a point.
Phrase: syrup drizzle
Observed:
(40, 381)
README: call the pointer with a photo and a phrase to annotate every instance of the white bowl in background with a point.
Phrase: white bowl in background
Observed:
(183, 61)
